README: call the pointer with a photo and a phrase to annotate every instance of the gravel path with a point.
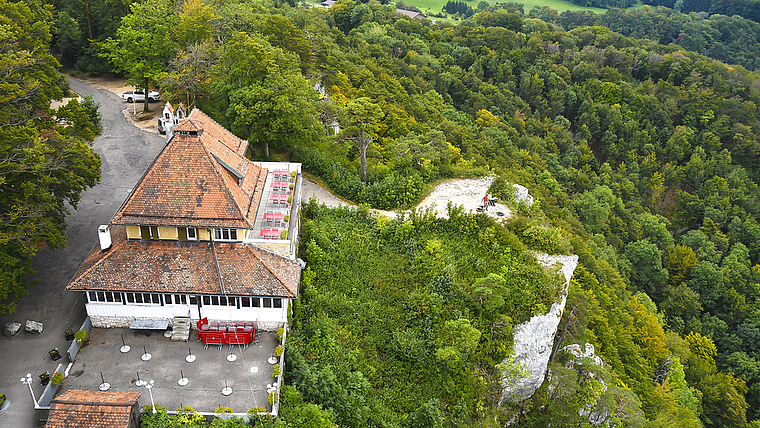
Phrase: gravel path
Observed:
(467, 192)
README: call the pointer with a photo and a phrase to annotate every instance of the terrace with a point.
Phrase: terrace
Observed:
(247, 372)
(278, 209)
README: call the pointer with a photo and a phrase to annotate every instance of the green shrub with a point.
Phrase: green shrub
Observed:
(57, 378)
(276, 370)
(223, 409)
(278, 350)
(256, 410)
(80, 336)
(284, 234)
(273, 397)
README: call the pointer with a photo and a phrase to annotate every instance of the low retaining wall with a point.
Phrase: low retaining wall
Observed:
(74, 347)
(50, 389)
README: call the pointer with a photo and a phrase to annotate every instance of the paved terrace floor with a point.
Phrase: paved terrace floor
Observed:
(266, 205)
(248, 376)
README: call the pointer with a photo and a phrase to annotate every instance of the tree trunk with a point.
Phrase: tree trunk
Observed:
(87, 12)
(265, 146)
(363, 154)
(146, 91)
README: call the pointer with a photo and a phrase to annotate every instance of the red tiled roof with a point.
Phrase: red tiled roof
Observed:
(186, 267)
(200, 178)
(92, 409)
(169, 106)
(220, 133)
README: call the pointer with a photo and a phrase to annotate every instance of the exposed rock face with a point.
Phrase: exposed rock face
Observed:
(12, 328)
(33, 327)
(534, 338)
(600, 414)
(521, 194)
(575, 349)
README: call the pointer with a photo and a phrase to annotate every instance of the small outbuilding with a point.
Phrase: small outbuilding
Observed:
(94, 409)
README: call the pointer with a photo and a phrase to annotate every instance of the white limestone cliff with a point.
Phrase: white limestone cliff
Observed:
(533, 339)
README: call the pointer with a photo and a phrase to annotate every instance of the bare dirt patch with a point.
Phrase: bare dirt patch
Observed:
(466, 192)
(133, 113)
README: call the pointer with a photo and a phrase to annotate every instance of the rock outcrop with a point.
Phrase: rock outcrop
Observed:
(522, 195)
(534, 338)
(12, 328)
(33, 327)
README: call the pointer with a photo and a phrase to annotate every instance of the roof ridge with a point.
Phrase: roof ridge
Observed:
(204, 116)
(251, 247)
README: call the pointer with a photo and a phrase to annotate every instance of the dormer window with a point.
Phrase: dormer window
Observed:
(225, 234)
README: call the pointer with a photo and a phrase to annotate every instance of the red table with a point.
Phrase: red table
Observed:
(269, 233)
(280, 186)
(281, 173)
(279, 198)
(273, 216)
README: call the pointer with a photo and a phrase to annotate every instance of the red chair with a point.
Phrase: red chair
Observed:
(201, 323)
(203, 328)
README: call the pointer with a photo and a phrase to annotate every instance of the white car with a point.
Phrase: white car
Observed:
(138, 96)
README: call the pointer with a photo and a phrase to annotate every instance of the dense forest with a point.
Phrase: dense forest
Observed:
(641, 152)
(749, 9)
(730, 39)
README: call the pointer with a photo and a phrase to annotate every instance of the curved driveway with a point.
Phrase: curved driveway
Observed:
(125, 152)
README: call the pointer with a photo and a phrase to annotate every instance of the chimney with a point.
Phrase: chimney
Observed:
(104, 234)
(169, 129)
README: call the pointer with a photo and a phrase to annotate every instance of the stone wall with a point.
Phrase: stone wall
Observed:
(102, 321)
(270, 326)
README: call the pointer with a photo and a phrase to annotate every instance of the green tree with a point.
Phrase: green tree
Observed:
(707, 280)
(144, 43)
(269, 100)
(646, 260)
(363, 118)
(194, 23)
(190, 73)
(281, 32)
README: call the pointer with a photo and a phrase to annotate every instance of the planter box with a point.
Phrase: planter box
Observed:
(50, 390)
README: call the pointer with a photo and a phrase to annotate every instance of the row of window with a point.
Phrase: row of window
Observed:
(182, 299)
(189, 233)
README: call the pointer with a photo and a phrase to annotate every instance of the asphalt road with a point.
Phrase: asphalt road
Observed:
(125, 152)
